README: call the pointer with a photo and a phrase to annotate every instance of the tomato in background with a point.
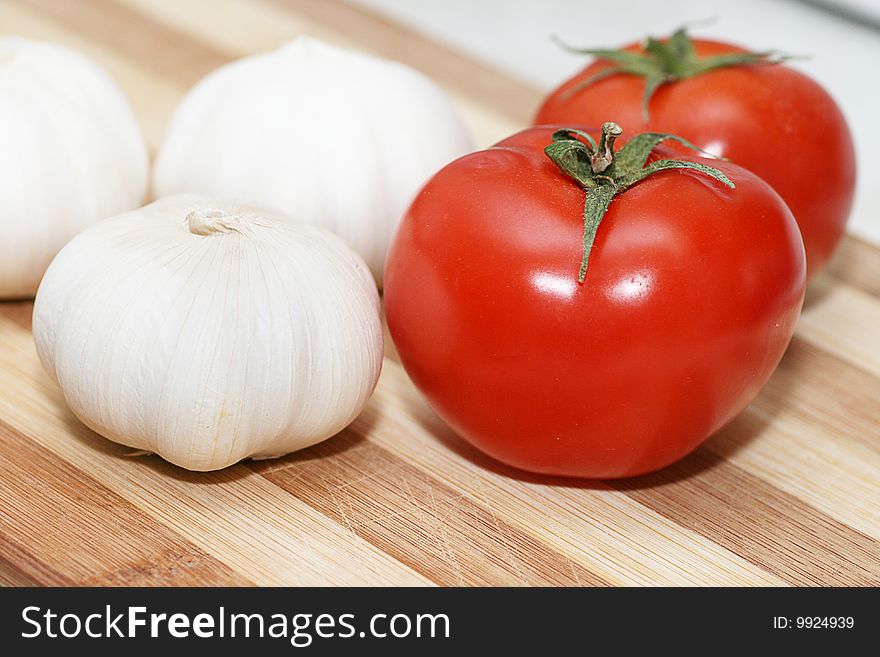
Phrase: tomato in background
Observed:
(770, 119)
(689, 302)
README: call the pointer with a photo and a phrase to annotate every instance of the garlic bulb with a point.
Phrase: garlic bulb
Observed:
(209, 333)
(71, 153)
(330, 136)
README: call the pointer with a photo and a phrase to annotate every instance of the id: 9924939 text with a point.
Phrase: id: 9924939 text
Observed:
(814, 623)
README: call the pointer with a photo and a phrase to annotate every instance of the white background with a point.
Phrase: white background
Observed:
(513, 35)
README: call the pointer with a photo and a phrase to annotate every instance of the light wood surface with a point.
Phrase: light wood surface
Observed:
(789, 493)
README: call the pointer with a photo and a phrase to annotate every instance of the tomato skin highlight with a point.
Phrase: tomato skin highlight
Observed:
(689, 302)
(772, 120)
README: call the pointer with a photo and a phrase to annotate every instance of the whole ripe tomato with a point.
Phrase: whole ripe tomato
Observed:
(771, 119)
(689, 301)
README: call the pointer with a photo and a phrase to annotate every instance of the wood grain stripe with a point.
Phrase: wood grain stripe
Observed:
(9, 574)
(857, 263)
(19, 312)
(835, 477)
(750, 517)
(11, 577)
(65, 522)
(405, 512)
(156, 47)
(842, 320)
(836, 398)
(239, 27)
(815, 434)
(19, 568)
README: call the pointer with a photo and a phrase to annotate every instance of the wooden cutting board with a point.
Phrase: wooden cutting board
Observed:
(789, 493)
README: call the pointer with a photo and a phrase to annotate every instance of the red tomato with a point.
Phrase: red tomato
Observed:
(689, 301)
(772, 120)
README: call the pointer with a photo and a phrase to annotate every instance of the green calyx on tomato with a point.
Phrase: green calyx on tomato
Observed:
(604, 173)
(666, 61)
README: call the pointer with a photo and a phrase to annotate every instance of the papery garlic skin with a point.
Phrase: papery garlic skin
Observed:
(334, 137)
(71, 153)
(208, 332)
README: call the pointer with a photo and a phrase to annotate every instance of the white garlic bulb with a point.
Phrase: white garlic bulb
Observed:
(71, 153)
(208, 333)
(334, 137)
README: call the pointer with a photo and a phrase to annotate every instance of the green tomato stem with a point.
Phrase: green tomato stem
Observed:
(604, 173)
